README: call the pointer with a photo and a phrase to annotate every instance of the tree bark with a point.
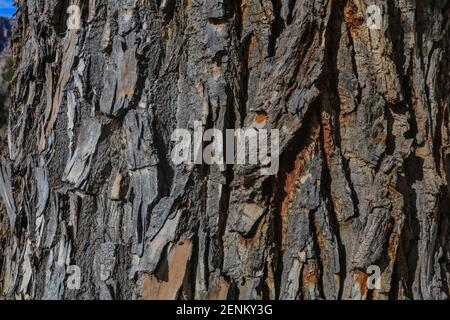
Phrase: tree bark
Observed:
(363, 116)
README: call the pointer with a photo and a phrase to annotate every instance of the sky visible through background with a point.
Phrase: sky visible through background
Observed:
(7, 8)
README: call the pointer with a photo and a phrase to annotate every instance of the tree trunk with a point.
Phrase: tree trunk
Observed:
(362, 107)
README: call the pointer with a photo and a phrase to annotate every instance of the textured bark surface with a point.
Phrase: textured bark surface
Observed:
(364, 151)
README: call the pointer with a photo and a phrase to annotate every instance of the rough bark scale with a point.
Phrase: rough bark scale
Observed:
(365, 167)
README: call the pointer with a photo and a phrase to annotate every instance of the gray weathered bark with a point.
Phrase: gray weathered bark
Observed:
(364, 172)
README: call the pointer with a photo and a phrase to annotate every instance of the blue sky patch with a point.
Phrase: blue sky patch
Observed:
(7, 8)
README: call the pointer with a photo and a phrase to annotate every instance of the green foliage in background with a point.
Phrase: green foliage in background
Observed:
(8, 71)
